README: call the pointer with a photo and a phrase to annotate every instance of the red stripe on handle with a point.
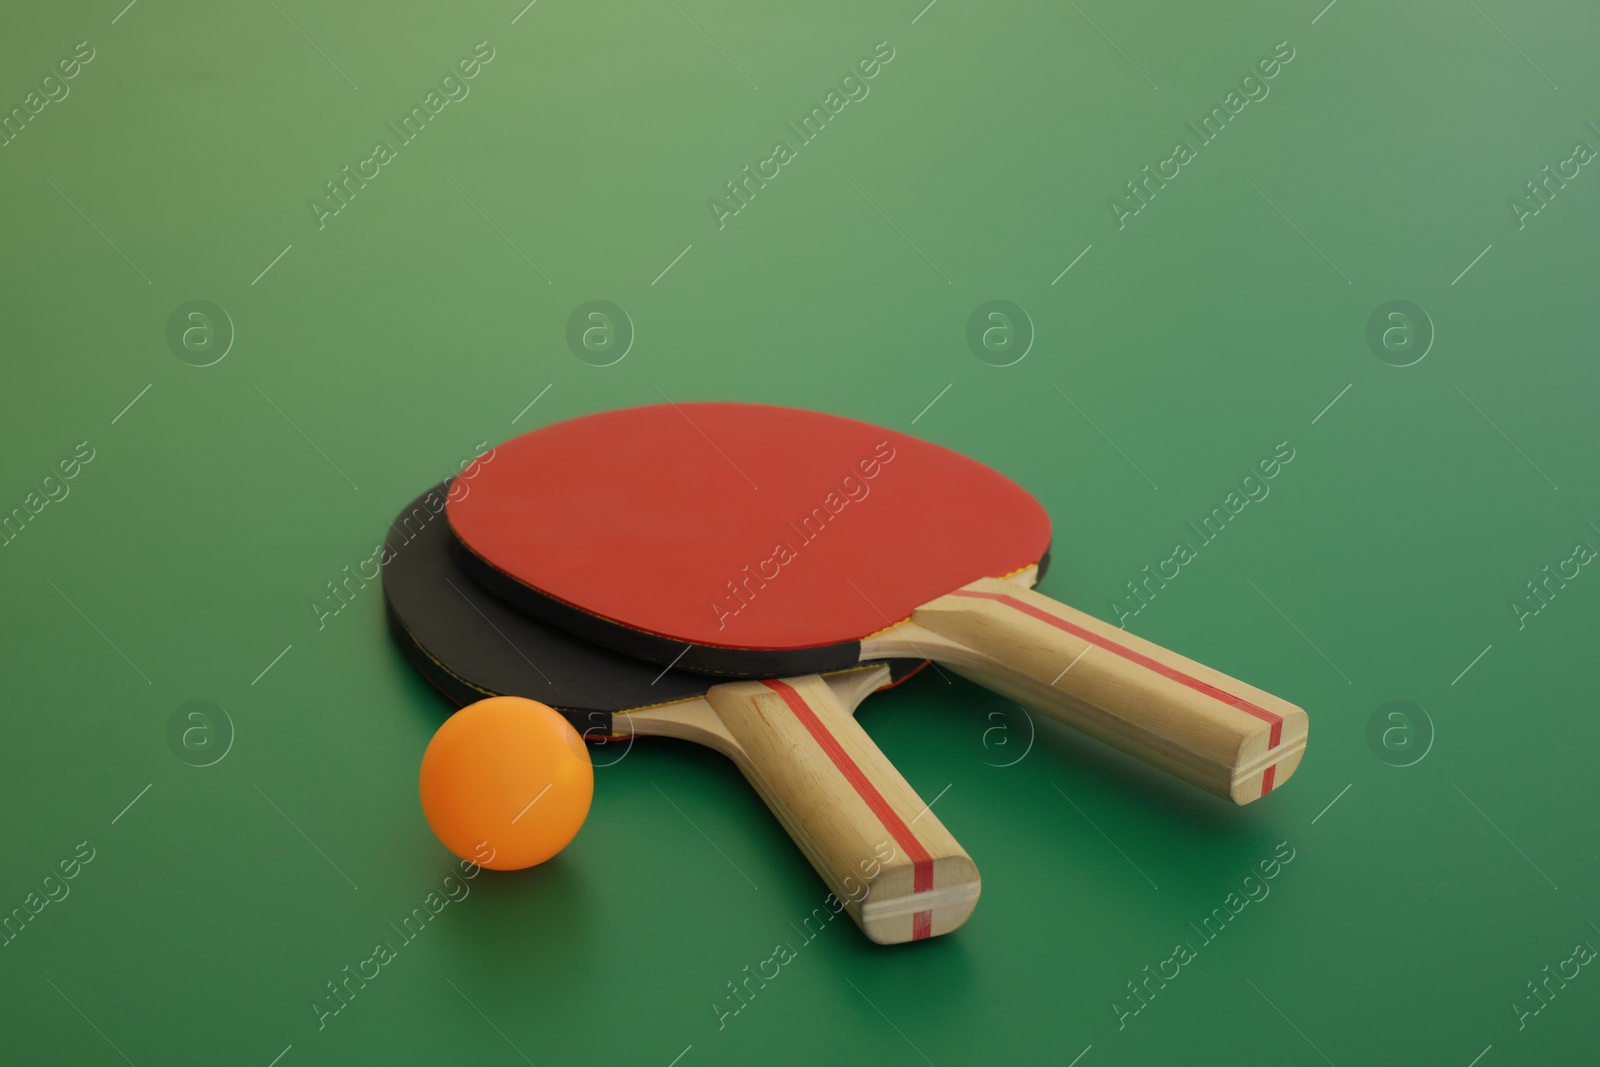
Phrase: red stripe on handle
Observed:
(1266, 779)
(1141, 659)
(922, 863)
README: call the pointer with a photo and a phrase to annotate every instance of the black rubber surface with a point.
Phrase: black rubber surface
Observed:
(471, 645)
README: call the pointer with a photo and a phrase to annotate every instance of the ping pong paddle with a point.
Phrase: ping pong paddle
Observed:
(749, 540)
(879, 848)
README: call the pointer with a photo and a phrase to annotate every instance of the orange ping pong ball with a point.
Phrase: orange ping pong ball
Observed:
(506, 783)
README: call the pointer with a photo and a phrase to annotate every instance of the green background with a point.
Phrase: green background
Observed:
(1221, 320)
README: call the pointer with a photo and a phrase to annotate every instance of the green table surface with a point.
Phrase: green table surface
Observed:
(1440, 901)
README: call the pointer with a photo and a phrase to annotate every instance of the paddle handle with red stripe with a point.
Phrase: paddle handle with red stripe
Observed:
(883, 853)
(1215, 731)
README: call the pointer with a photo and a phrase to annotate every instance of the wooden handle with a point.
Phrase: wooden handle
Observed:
(1215, 731)
(880, 849)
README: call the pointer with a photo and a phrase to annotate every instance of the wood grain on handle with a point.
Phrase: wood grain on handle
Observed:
(878, 847)
(1197, 723)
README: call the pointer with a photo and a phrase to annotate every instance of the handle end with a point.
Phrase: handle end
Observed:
(895, 910)
(1265, 769)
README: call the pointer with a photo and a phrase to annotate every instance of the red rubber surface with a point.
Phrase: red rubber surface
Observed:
(644, 516)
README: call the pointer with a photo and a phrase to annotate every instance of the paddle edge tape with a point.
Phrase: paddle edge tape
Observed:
(653, 648)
